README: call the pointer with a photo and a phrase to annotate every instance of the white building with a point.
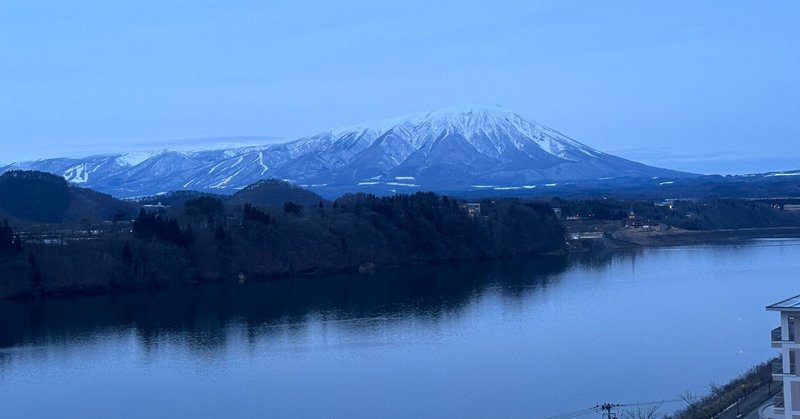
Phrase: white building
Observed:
(785, 337)
(472, 209)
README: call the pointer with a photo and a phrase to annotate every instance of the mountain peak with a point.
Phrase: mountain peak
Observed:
(473, 120)
(472, 109)
(449, 115)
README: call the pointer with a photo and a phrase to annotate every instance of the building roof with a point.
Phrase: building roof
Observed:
(789, 304)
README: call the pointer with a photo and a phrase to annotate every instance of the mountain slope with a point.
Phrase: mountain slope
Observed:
(451, 149)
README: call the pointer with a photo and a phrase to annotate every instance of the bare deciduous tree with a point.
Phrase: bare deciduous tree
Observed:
(643, 412)
(692, 400)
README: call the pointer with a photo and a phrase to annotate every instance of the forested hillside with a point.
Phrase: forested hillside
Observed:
(205, 238)
(37, 197)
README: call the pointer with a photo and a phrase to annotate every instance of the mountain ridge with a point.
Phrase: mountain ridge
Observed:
(448, 149)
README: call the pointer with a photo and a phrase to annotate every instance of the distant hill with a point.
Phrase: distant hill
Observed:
(34, 196)
(42, 197)
(38, 197)
(90, 205)
(275, 192)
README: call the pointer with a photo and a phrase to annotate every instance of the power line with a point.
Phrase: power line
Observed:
(651, 403)
(606, 409)
(575, 414)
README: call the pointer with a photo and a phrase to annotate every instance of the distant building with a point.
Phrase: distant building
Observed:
(158, 209)
(670, 203)
(633, 222)
(586, 235)
(785, 337)
(472, 209)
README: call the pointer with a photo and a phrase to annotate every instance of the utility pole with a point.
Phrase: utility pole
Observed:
(606, 408)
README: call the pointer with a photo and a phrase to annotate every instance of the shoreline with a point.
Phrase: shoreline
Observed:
(677, 237)
(624, 240)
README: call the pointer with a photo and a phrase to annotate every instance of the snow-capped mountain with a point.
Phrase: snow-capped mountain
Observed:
(449, 149)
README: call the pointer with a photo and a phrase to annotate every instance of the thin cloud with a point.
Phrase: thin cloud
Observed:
(721, 162)
(181, 144)
(244, 140)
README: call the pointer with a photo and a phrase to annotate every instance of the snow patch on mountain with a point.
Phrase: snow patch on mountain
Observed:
(779, 174)
(77, 174)
(133, 158)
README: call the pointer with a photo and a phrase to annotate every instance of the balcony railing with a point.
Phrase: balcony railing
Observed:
(776, 334)
(777, 368)
(777, 402)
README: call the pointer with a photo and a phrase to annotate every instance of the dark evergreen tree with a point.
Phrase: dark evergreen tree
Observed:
(36, 274)
(149, 225)
(127, 254)
(290, 207)
(219, 234)
(9, 242)
(6, 237)
(188, 234)
(254, 214)
(205, 205)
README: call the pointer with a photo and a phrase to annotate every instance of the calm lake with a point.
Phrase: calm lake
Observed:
(511, 339)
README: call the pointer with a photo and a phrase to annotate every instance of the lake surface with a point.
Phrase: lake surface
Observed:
(510, 339)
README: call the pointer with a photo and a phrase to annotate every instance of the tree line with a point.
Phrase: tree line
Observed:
(150, 225)
(206, 239)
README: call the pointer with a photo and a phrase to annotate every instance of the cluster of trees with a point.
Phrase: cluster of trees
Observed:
(251, 213)
(354, 231)
(404, 228)
(148, 225)
(290, 207)
(9, 242)
(721, 398)
(204, 205)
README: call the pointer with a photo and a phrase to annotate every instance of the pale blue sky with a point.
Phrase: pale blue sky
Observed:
(699, 86)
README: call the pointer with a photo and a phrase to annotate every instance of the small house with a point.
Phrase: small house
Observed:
(472, 209)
